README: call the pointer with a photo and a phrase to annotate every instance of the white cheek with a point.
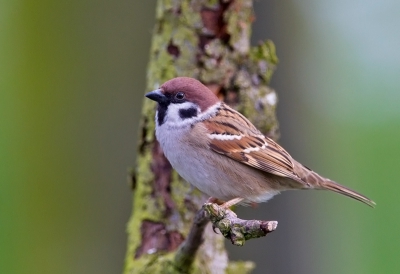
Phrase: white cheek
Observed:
(173, 120)
(173, 116)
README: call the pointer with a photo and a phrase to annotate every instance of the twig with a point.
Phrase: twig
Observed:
(231, 227)
(187, 251)
(235, 229)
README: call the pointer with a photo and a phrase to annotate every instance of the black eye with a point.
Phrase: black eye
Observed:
(180, 95)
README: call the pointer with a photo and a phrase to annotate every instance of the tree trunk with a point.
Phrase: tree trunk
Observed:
(208, 40)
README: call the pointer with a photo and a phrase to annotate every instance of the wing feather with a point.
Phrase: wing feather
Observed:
(232, 135)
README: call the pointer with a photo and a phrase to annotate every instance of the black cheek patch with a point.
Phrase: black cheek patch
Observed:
(187, 113)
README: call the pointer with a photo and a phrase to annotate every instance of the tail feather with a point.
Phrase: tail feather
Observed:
(335, 187)
(316, 181)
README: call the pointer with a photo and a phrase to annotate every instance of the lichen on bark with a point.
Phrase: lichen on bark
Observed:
(208, 40)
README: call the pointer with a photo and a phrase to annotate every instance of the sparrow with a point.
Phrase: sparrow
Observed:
(220, 152)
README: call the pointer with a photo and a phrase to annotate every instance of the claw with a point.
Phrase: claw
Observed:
(213, 228)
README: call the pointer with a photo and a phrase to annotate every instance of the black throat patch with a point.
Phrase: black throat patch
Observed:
(162, 111)
(187, 113)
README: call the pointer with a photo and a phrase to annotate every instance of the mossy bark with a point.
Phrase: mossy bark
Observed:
(208, 40)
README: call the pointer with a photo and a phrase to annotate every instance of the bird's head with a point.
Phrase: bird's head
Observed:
(182, 98)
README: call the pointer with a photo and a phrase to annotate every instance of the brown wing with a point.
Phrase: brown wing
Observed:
(231, 134)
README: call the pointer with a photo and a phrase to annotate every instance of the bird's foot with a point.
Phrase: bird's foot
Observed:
(223, 204)
(232, 202)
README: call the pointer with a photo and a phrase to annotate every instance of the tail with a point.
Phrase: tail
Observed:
(316, 181)
(335, 187)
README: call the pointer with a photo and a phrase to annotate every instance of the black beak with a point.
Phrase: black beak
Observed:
(156, 95)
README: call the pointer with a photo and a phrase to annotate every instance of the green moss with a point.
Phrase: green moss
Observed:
(259, 105)
(211, 4)
(190, 15)
(242, 267)
(238, 16)
(154, 263)
(179, 191)
(264, 60)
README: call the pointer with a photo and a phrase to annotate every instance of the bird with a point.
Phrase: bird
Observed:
(219, 151)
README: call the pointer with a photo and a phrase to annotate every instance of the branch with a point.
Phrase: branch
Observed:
(235, 229)
(186, 254)
(231, 227)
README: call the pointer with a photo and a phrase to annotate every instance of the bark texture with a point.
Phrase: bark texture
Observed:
(208, 40)
(235, 229)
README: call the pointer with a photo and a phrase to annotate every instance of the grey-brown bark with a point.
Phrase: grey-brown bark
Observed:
(207, 40)
(235, 229)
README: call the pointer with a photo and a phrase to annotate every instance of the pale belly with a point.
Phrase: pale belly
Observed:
(204, 169)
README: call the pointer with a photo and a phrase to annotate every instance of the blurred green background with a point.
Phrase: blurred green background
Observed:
(72, 78)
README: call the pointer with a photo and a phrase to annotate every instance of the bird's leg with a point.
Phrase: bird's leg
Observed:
(223, 204)
(232, 202)
(213, 200)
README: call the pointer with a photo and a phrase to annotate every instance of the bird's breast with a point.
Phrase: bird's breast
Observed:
(214, 174)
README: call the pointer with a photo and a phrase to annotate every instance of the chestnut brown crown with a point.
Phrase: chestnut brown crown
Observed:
(192, 90)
